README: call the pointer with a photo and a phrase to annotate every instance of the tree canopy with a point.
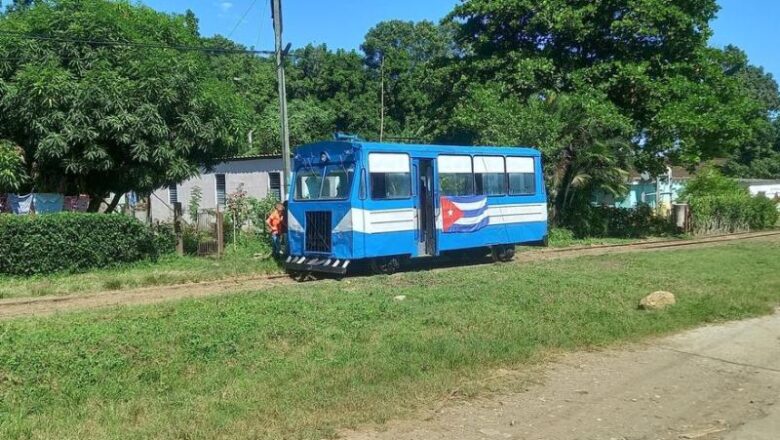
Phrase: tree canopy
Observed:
(599, 87)
(103, 118)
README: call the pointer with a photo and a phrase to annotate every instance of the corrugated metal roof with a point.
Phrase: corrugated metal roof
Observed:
(251, 157)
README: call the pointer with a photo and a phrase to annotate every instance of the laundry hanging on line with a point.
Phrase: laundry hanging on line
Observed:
(48, 203)
(21, 205)
(77, 203)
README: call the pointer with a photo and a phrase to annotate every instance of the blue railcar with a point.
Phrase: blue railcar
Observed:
(384, 203)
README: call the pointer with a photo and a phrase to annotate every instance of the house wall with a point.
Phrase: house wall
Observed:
(645, 192)
(253, 174)
(771, 190)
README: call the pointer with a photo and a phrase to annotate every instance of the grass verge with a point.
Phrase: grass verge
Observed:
(172, 270)
(169, 270)
(306, 360)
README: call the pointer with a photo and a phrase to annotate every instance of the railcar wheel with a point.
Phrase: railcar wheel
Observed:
(470, 255)
(302, 276)
(385, 265)
(503, 253)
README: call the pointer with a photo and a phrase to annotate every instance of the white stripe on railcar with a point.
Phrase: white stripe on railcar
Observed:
(405, 220)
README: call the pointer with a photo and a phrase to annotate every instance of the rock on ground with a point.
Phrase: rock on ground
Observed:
(657, 300)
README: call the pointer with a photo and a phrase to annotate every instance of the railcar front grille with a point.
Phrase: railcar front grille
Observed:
(318, 231)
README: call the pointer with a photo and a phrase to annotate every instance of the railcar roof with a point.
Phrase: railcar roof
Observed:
(395, 147)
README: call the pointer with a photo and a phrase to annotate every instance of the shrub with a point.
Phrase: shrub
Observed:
(164, 238)
(561, 236)
(710, 182)
(720, 205)
(605, 221)
(259, 210)
(729, 213)
(71, 242)
(764, 213)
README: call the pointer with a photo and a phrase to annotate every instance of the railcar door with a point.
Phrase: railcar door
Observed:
(425, 207)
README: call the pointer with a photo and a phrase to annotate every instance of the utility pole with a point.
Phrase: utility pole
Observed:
(276, 11)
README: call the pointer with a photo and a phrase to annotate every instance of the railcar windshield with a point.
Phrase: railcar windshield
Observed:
(331, 182)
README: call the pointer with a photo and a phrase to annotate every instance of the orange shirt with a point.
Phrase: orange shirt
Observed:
(274, 222)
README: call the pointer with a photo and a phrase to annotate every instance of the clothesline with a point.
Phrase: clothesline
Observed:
(42, 203)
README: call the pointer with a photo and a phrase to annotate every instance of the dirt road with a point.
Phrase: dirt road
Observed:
(717, 382)
(42, 306)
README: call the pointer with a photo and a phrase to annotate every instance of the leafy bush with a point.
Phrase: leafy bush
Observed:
(731, 213)
(710, 182)
(561, 236)
(72, 242)
(164, 238)
(720, 205)
(604, 221)
(764, 213)
(12, 171)
(196, 197)
(259, 210)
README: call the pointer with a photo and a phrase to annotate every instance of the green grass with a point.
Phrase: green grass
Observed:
(561, 238)
(305, 360)
(170, 269)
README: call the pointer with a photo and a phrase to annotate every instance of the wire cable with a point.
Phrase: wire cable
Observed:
(181, 48)
(243, 17)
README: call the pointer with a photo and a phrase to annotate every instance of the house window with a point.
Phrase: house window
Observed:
(390, 175)
(221, 198)
(173, 194)
(455, 175)
(275, 185)
(522, 177)
(490, 175)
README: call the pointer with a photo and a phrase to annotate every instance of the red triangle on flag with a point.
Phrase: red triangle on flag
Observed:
(450, 213)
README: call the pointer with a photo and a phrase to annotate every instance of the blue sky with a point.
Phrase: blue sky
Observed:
(749, 24)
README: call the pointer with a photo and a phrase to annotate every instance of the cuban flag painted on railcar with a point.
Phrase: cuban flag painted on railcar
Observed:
(464, 213)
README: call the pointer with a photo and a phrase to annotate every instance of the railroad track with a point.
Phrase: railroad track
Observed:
(671, 243)
(25, 307)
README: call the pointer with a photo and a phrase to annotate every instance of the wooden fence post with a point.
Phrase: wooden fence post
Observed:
(220, 233)
(177, 229)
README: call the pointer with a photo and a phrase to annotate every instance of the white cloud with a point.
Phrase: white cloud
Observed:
(225, 6)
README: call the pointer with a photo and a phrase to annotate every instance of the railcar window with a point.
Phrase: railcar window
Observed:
(490, 175)
(390, 176)
(333, 184)
(336, 184)
(455, 175)
(308, 185)
(522, 177)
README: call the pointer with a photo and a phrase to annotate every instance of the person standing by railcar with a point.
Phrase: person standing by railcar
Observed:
(276, 225)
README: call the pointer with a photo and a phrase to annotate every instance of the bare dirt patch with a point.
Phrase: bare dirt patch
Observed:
(717, 382)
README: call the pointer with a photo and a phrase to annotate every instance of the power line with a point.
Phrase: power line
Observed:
(181, 48)
(243, 17)
(260, 27)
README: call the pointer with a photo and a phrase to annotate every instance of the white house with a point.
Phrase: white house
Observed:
(768, 188)
(260, 176)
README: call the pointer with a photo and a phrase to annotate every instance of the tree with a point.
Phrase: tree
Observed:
(401, 57)
(583, 139)
(640, 86)
(109, 118)
(648, 57)
(12, 172)
(759, 156)
(339, 84)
